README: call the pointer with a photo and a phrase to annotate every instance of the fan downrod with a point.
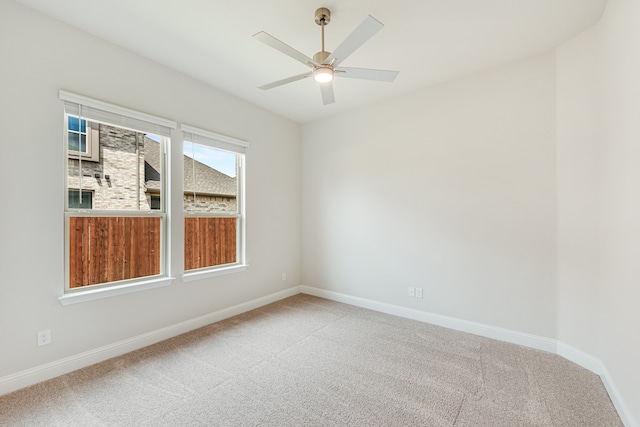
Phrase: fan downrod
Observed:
(322, 18)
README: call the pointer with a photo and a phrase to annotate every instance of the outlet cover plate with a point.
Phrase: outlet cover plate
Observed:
(44, 337)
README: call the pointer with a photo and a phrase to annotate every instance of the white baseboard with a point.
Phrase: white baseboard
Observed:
(59, 367)
(500, 334)
(581, 358)
(550, 345)
(616, 397)
(47, 371)
(596, 365)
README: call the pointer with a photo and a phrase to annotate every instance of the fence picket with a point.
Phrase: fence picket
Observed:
(108, 249)
(209, 242)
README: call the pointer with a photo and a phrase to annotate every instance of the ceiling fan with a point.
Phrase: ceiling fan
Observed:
(324, 65)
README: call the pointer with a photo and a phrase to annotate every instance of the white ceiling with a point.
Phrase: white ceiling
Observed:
(428, 41)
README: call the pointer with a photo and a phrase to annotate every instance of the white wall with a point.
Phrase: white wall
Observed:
(40, 56)
(619, 289)
(599, 212)
(579, 136)
(504, 195)
(451, 189)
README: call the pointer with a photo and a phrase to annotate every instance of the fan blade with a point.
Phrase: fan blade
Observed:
(285, 81)
(269, 40)
(367, 74)
(367, 29)
(326, 89)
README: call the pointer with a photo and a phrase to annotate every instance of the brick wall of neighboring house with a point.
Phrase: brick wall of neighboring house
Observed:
(123, 161)
(209, 203)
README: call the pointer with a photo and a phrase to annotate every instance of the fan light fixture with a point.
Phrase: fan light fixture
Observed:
(326, 65)
(323, 74)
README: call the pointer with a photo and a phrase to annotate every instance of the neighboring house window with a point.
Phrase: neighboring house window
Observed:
(77, 137)
(122, 238)
(213, 200)
(155, 202)
(83, 139)
(80, 199)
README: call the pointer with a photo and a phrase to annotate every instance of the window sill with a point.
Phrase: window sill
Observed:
(197, 275)
(94, 294)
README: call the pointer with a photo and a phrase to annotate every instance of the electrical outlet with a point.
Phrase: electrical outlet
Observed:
(418, 292)
(44, 337)
(412, 291)
(284, 276)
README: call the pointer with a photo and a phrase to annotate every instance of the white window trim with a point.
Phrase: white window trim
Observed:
(127, 118)
(238, 146)
(193, 275)
(104, 292)
(103, 111)
(215, 139)
(112, 109)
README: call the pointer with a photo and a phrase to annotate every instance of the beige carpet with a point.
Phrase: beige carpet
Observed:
(306, 361)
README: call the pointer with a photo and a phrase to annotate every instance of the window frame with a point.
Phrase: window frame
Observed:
(155, 197)
(92, 142)
(80, 192)
(99, 111)
(171, 216)
(238, 147)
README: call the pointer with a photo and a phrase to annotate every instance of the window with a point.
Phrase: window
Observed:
(116, 212)
(213, 200)
(80, 199)
(77, 137)
(83, 139)
(115, 223)
(154, 201)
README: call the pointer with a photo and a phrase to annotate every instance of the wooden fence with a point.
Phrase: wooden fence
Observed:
(209, 242)
(108, 249)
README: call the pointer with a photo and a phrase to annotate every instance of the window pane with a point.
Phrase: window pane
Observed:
(210, 187)
(77, 142)
(210, 179)
(80, 200)
(209, 242)
(127, 171)
(75, 123)
(100, 249)
(114, 177)
(155, 203)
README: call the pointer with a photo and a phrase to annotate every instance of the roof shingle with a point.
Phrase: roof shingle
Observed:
(209, 181)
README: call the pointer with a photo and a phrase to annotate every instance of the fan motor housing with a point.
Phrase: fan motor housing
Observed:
(322, 15)
(321, 56)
